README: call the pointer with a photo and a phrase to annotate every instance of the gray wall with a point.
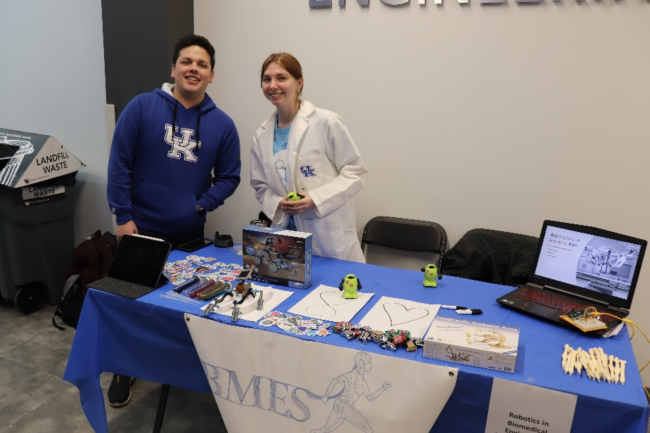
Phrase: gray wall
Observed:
(139, 40)
(472, 116)
(52, 79)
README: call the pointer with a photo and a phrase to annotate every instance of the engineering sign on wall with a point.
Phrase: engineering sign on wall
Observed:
(342, 3)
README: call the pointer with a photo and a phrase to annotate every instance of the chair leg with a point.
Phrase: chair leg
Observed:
(162, 403)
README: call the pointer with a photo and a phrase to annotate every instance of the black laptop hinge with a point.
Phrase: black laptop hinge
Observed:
(619, 309)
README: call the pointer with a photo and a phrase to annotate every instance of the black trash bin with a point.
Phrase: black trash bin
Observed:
(36, 243)
(37, 206)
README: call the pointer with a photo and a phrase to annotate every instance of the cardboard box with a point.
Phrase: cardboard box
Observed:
(472, 343)
(278, 256)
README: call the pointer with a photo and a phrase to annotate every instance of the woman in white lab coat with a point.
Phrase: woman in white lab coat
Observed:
(307, 150)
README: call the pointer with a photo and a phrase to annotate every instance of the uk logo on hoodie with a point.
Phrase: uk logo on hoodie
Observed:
(181, 146)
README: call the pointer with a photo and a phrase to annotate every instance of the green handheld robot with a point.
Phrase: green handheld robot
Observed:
(430, 275)
(349, 285)
(294, 196)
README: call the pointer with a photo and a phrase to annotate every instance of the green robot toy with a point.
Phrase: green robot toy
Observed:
(430, 275)
(349, 286)
(294, 196)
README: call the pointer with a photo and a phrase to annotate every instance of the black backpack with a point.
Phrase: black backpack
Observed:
(69, 309)
(90, 262)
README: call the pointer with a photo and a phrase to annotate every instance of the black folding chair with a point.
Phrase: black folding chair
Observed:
(492, 256)
(404, 243)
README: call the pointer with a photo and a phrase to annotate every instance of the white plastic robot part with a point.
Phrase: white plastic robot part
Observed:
(572, 362)
(602, 358)
(610, 365)
(566, 358)
(617, 370)
(565, 355)
(622, 363)
(583, 358)
(576, 361)
(594, 363)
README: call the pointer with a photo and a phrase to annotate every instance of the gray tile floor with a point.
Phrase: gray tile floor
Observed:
(34, 398)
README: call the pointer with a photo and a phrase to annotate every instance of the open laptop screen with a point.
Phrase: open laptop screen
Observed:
(139, 260)
(591, 260)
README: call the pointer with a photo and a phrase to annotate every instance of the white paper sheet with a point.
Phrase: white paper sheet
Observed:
(328, 303)
(395, 313)
(272, 298)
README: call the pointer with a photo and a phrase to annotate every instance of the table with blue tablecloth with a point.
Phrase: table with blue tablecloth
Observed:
(148, 339)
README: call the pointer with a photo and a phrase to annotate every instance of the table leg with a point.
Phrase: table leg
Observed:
(162, 403)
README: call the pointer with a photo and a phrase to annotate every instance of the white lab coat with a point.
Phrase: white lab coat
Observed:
(324, 161)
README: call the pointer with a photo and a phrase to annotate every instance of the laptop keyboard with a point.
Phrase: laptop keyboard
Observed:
(553, 301)
(121, 287)
(550, 300)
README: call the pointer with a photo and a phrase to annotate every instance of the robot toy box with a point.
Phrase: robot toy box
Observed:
(472, 343)
(278, 256)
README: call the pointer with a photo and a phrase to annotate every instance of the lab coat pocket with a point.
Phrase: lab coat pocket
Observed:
(309, 173)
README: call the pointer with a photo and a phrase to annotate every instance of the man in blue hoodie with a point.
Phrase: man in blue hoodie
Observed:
(174, 157)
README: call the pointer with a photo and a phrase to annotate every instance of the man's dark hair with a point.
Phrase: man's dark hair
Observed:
(191, 40)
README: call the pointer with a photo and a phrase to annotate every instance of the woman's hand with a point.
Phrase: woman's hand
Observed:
(297, 207)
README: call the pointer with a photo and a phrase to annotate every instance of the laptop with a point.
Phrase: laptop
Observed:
(577, 267)
(136, 268)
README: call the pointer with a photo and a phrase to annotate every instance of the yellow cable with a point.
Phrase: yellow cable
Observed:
(633, 325)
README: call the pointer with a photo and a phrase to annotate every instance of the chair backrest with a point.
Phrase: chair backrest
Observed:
(403, 243)
(492, 256)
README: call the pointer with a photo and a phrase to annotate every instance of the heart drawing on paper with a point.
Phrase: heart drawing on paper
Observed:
(399, 314)
(327, 309)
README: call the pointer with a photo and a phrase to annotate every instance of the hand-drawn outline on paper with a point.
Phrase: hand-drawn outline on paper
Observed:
(328, 305)
(354, 386)
(406, 310)
(391, 312)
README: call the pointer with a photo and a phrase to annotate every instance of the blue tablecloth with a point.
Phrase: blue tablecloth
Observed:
(146, 338)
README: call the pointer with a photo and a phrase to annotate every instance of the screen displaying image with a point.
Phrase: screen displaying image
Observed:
(595, 263)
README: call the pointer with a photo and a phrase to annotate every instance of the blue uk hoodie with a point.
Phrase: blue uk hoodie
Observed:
(157, 177)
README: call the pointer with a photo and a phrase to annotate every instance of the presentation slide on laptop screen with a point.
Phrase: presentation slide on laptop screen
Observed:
(592, 262)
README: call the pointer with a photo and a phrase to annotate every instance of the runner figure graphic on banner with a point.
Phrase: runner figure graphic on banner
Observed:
(354, 386)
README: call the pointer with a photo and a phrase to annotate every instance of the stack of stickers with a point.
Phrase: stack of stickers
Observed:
(296, 324)
(181, 271)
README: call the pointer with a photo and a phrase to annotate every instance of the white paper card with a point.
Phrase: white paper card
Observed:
(328, 303)
(518, 406)
(278, 383)
(248, 309)
(395, 313)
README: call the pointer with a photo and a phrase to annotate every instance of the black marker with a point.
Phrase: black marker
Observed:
(473, 312)
(453, 307)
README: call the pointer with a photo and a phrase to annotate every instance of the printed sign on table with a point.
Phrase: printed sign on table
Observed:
(264, 381)
(516, 407)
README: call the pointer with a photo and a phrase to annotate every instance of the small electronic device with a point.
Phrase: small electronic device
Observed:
(294, 196)
(194, 245)
(222, 241)
(577, 267)
(244, 274)
(136, 268)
